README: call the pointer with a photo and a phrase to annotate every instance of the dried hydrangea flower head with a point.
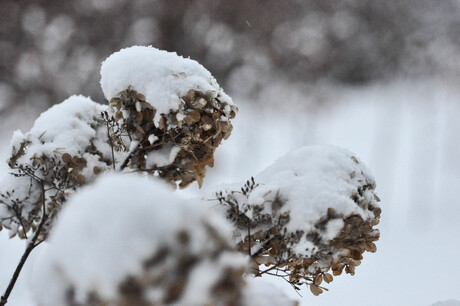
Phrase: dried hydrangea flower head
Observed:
(65, 149)
(311, 211)
(167, 112)
(107, 249)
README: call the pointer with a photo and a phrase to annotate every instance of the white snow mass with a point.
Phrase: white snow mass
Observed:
(163, 77)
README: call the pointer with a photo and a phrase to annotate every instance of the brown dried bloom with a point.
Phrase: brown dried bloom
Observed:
(312, 211)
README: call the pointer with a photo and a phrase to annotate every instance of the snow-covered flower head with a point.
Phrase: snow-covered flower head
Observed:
(312, 210)
(167, 111)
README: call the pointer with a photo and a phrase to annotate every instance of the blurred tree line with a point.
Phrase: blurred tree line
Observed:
(51, 49)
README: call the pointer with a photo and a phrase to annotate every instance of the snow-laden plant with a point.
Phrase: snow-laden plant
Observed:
(159, 249)
(65, 149)
(169, 113)
(148, 252)
(166, 116)
(312, 211)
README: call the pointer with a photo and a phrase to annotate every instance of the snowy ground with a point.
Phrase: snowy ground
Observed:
(407, 133)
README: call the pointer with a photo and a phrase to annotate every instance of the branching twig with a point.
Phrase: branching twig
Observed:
(32, 244)
(135, 150)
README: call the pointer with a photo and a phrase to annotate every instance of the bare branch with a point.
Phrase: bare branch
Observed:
(32, 244)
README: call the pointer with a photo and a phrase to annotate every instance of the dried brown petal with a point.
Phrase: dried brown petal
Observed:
(216, 115)
(139, 117)
(192, 117)
(318, 280)
(371, 247)
(118, 115)
(337, 271)
(66, 158)
(350, 269)
(147, 105)
(377, 211)
(225, 127)
(331, 212)
(140, 97)
(162, 125)
(198, 103)
(315, 290)
(209, 94)
(328, 277)
(190, 95)
(80, 179)
(116, 103)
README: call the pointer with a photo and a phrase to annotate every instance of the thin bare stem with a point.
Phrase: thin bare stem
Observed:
(111, 145)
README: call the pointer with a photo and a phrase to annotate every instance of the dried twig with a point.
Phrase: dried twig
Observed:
(32, 245)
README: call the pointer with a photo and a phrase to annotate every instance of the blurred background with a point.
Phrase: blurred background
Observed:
(377, 77)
